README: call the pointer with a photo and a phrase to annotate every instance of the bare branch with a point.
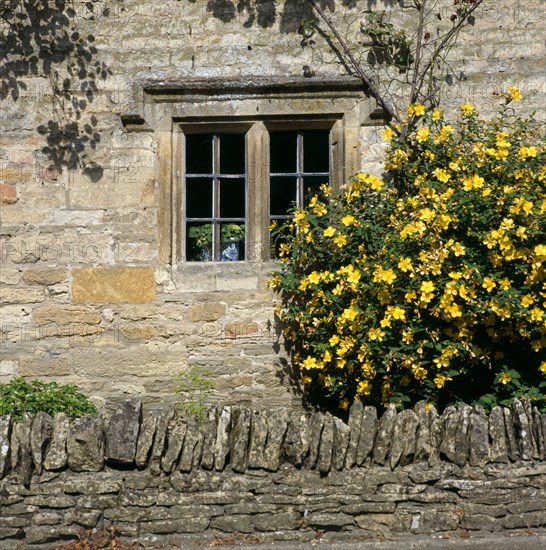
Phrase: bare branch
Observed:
(357, 68)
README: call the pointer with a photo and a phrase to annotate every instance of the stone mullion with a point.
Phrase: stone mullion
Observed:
(257, 215)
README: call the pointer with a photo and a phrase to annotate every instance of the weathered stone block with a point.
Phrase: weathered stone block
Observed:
(326, 445)
(44, 275)
(21, 452)
(40, 437)
(176, 432)
(221, 446)
(145, 439)
(113, 285)
(296, 442)
(192, 449)
(5, 447)
(342, 434)
(368, 432)
(122, 432)
(523, 430)
(239, 438)
(402, 449)
(258, 439)
(56, 457)
(497, 435)
(66, 315)
(383, 439)
(207, 312)
(160, 439)
(478, 438)
(355, 420)
(209, 438)
(21, 295)
(85, 445)
(277, 424)
(316, 424)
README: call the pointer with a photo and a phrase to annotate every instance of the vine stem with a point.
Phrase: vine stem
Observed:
(374, 92)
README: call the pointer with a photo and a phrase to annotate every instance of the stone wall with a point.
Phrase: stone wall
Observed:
(89, 292)
(272, 474)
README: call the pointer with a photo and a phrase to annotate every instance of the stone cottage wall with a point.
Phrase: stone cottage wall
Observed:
(272, 474)
(86, 295)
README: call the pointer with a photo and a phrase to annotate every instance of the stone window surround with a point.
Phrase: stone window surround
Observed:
(253, 105)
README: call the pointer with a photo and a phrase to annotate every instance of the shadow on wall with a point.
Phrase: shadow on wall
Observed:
(264, 13)
(40, 38)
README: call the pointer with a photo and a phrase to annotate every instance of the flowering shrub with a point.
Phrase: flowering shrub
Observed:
(432, 285)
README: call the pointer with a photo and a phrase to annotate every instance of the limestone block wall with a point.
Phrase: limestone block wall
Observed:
(86, 295)
(271, 474)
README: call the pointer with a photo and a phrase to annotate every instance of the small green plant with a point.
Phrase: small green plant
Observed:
(194, 386)
(19, 397)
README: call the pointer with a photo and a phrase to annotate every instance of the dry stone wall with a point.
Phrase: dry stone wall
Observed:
(85, 295)
(272, 474)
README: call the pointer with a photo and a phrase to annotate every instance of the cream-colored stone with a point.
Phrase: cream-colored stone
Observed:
(44, 366)
(44, 275)
(8, 367)
(207, 312)
(117, 285)
(21, 295)
(136, 332)
(66, 315)
(9, 276)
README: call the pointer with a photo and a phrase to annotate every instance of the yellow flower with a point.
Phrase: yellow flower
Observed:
(348, 220)
(422, 134)
(341, 240)
(440, 380)
(458, 249)
(375, 334)
(542, 367)
(467, 109)
(427, 286)
(344, 404)
(334, 340)
(375, 183)
(320, 209)
(397, 313)
(475, 182)
(536, 314)
(504, 377)
(405, 265)
(488, 284)
(386, 275)
(441, 175)
(540, 251)
(418, 109)
(349, 314)
(354, 277)
(299, 216)
(525, 152)
(364, 388)
(329, 232)
(314, 278)
(309, 363)
(436, 114)
(388, 134)
(514, 94)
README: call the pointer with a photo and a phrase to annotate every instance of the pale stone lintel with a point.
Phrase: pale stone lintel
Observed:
(116, 285)
(258, 85)
(221, 276)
